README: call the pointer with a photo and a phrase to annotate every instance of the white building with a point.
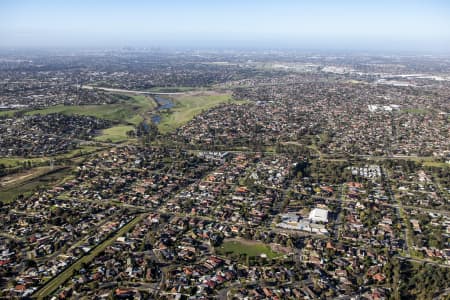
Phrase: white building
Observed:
(318, 215)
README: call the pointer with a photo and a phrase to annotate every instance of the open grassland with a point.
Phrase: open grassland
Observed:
(111, 112)
(416, 111)
(15, 179)
(82, 150)
(115, 134)
(436, 164)
(245, 247)
(125, 112)
(429, 161)
(8, 113)
(175, 89)
(189, 105)
(26, 187)
(14, 161)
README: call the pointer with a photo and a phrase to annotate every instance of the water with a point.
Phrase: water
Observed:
(156, 119)
(163, 103)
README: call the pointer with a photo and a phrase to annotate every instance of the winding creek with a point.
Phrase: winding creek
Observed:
(163, 103)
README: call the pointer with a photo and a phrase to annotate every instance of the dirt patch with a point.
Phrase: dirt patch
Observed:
(23, 176)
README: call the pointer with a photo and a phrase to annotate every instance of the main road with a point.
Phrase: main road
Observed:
(89, 87)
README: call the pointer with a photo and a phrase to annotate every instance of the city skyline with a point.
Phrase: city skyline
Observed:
(347, 25)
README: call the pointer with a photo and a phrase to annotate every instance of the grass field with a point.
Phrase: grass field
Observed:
(174, 89)
(11, 162)
(26, 188)
(14, 161)
(124, 112)
(14, 179)
(56, 282)
(416, 111)
(8, 113)
(436, 164)
(187, 106)
(115, 134)
(82, 150)
(127, 114)
(250, 248)
(429, 161)
(107, 111)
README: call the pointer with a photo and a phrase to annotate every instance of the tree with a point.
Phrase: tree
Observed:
(29, 263)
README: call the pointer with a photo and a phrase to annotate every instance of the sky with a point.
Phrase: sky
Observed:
(315, 24)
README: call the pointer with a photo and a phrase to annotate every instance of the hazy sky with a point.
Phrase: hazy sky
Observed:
(334, 24)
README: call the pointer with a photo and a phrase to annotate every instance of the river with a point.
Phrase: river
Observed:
(163, 103)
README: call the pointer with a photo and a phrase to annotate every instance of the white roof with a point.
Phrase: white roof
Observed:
(318, 214)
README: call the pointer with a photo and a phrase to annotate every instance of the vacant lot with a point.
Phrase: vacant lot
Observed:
(115, 134)
(16, 161)
(26, 187)
(249, 248)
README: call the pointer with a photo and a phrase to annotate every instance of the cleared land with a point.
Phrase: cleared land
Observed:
(15, 161)
(25, 182)
(115, 134)
(11, 180)
(246, 247)
(27, 187)
(189, 105)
